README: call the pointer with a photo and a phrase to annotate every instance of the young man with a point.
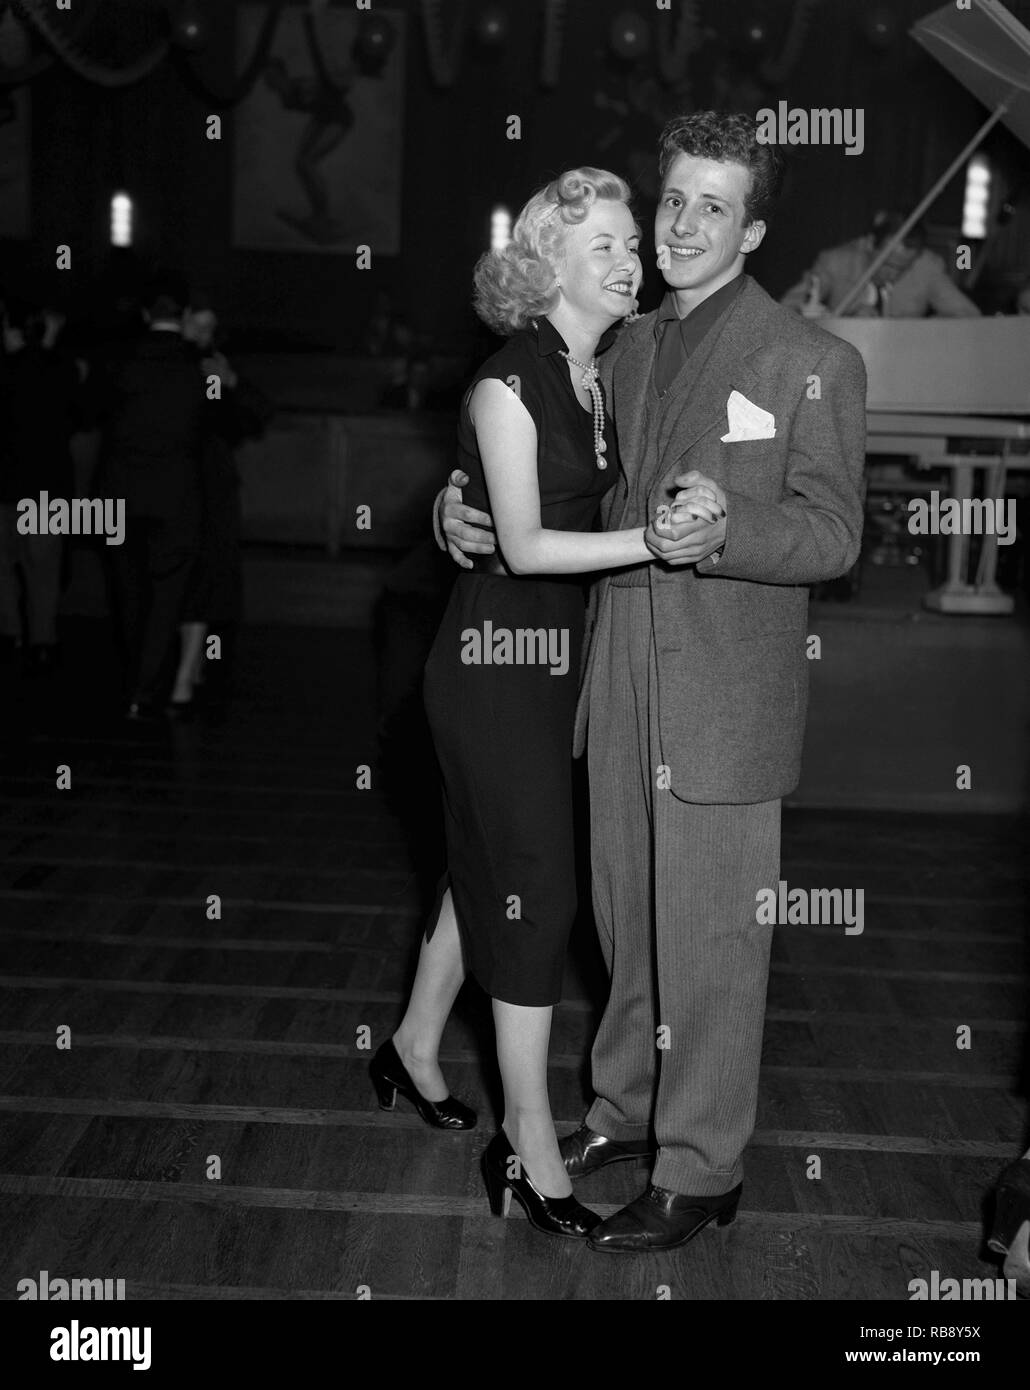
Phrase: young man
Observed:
(694, 694)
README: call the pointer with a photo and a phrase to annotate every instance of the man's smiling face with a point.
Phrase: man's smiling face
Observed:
(700, 223)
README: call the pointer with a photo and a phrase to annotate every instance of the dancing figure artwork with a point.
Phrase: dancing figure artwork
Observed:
(327, 107)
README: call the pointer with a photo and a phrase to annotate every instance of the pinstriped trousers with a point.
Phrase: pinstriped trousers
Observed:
(674, 886)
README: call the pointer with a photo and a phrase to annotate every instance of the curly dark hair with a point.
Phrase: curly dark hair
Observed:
(722, 136)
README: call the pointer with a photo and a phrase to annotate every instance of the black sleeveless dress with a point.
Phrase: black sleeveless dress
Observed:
(500, 688)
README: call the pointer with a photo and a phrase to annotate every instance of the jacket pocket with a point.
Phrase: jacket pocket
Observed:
(755, 467)
(752, 610)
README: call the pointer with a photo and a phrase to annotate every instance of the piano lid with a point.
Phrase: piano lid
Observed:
(988, 51)
(943, 366)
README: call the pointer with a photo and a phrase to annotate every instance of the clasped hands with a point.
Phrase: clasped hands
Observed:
(692, 526)
(688, 529)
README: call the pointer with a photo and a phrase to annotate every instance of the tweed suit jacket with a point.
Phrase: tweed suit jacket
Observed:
(730, 633)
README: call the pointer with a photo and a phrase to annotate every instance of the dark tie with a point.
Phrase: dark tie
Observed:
(670, 356)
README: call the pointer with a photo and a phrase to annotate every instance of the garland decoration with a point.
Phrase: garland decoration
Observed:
(553, 37)
(250, 74)
(65, 41)
(443, 55)
(780, 67)
(672, 60)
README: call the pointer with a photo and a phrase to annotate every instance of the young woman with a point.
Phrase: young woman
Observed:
(501, 680)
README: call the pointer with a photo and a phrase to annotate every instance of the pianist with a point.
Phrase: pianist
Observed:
(911, 283)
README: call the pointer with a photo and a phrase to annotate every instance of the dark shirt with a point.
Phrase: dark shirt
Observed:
(677, 340)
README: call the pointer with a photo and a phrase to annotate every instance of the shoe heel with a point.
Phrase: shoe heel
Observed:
(386, 1092)
(725, 1217)
(1017, 1260)
(1012, 1208)
(498, 1192)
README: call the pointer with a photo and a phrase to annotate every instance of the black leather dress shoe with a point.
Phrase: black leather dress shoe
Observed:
(662, 1220)
(584, 1151)
(555, 1216)
(1010, 1231)
(390, 1078)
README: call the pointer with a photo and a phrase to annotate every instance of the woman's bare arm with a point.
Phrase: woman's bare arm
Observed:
(507, 442)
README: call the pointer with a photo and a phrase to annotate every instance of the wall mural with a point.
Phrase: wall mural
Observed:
(318, 139)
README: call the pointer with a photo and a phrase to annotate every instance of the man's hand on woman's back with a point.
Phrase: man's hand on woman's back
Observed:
(462, 530)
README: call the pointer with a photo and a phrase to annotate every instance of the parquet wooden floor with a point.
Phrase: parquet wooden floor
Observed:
(236, 1038)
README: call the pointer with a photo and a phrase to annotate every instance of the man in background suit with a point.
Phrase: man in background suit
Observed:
(153, 411)
(912, 282)
(693, 702)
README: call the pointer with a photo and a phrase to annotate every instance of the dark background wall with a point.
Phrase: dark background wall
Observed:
(88, 140)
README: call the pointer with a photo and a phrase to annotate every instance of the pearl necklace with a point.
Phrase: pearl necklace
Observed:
(593, 386)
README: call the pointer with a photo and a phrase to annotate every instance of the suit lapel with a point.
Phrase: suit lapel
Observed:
(703, 407)
(626, 382)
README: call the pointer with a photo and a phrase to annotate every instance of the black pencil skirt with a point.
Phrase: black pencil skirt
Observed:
(501, 705)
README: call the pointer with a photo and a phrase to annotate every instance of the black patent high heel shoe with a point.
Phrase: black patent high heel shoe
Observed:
(1010, 1232)
(390, 1076)
(555, 1216)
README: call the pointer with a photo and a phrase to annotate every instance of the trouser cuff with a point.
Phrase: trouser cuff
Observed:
(604, 1119)
(678, 1174)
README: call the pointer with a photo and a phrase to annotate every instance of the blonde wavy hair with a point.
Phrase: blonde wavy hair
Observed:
(518, 283)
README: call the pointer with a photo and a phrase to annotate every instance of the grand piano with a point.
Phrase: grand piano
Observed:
(951, 394)
(954, 394)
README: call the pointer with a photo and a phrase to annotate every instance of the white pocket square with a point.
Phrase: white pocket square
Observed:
(747, 420)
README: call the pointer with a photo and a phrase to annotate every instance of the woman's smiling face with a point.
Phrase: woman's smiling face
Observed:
(599, 270)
